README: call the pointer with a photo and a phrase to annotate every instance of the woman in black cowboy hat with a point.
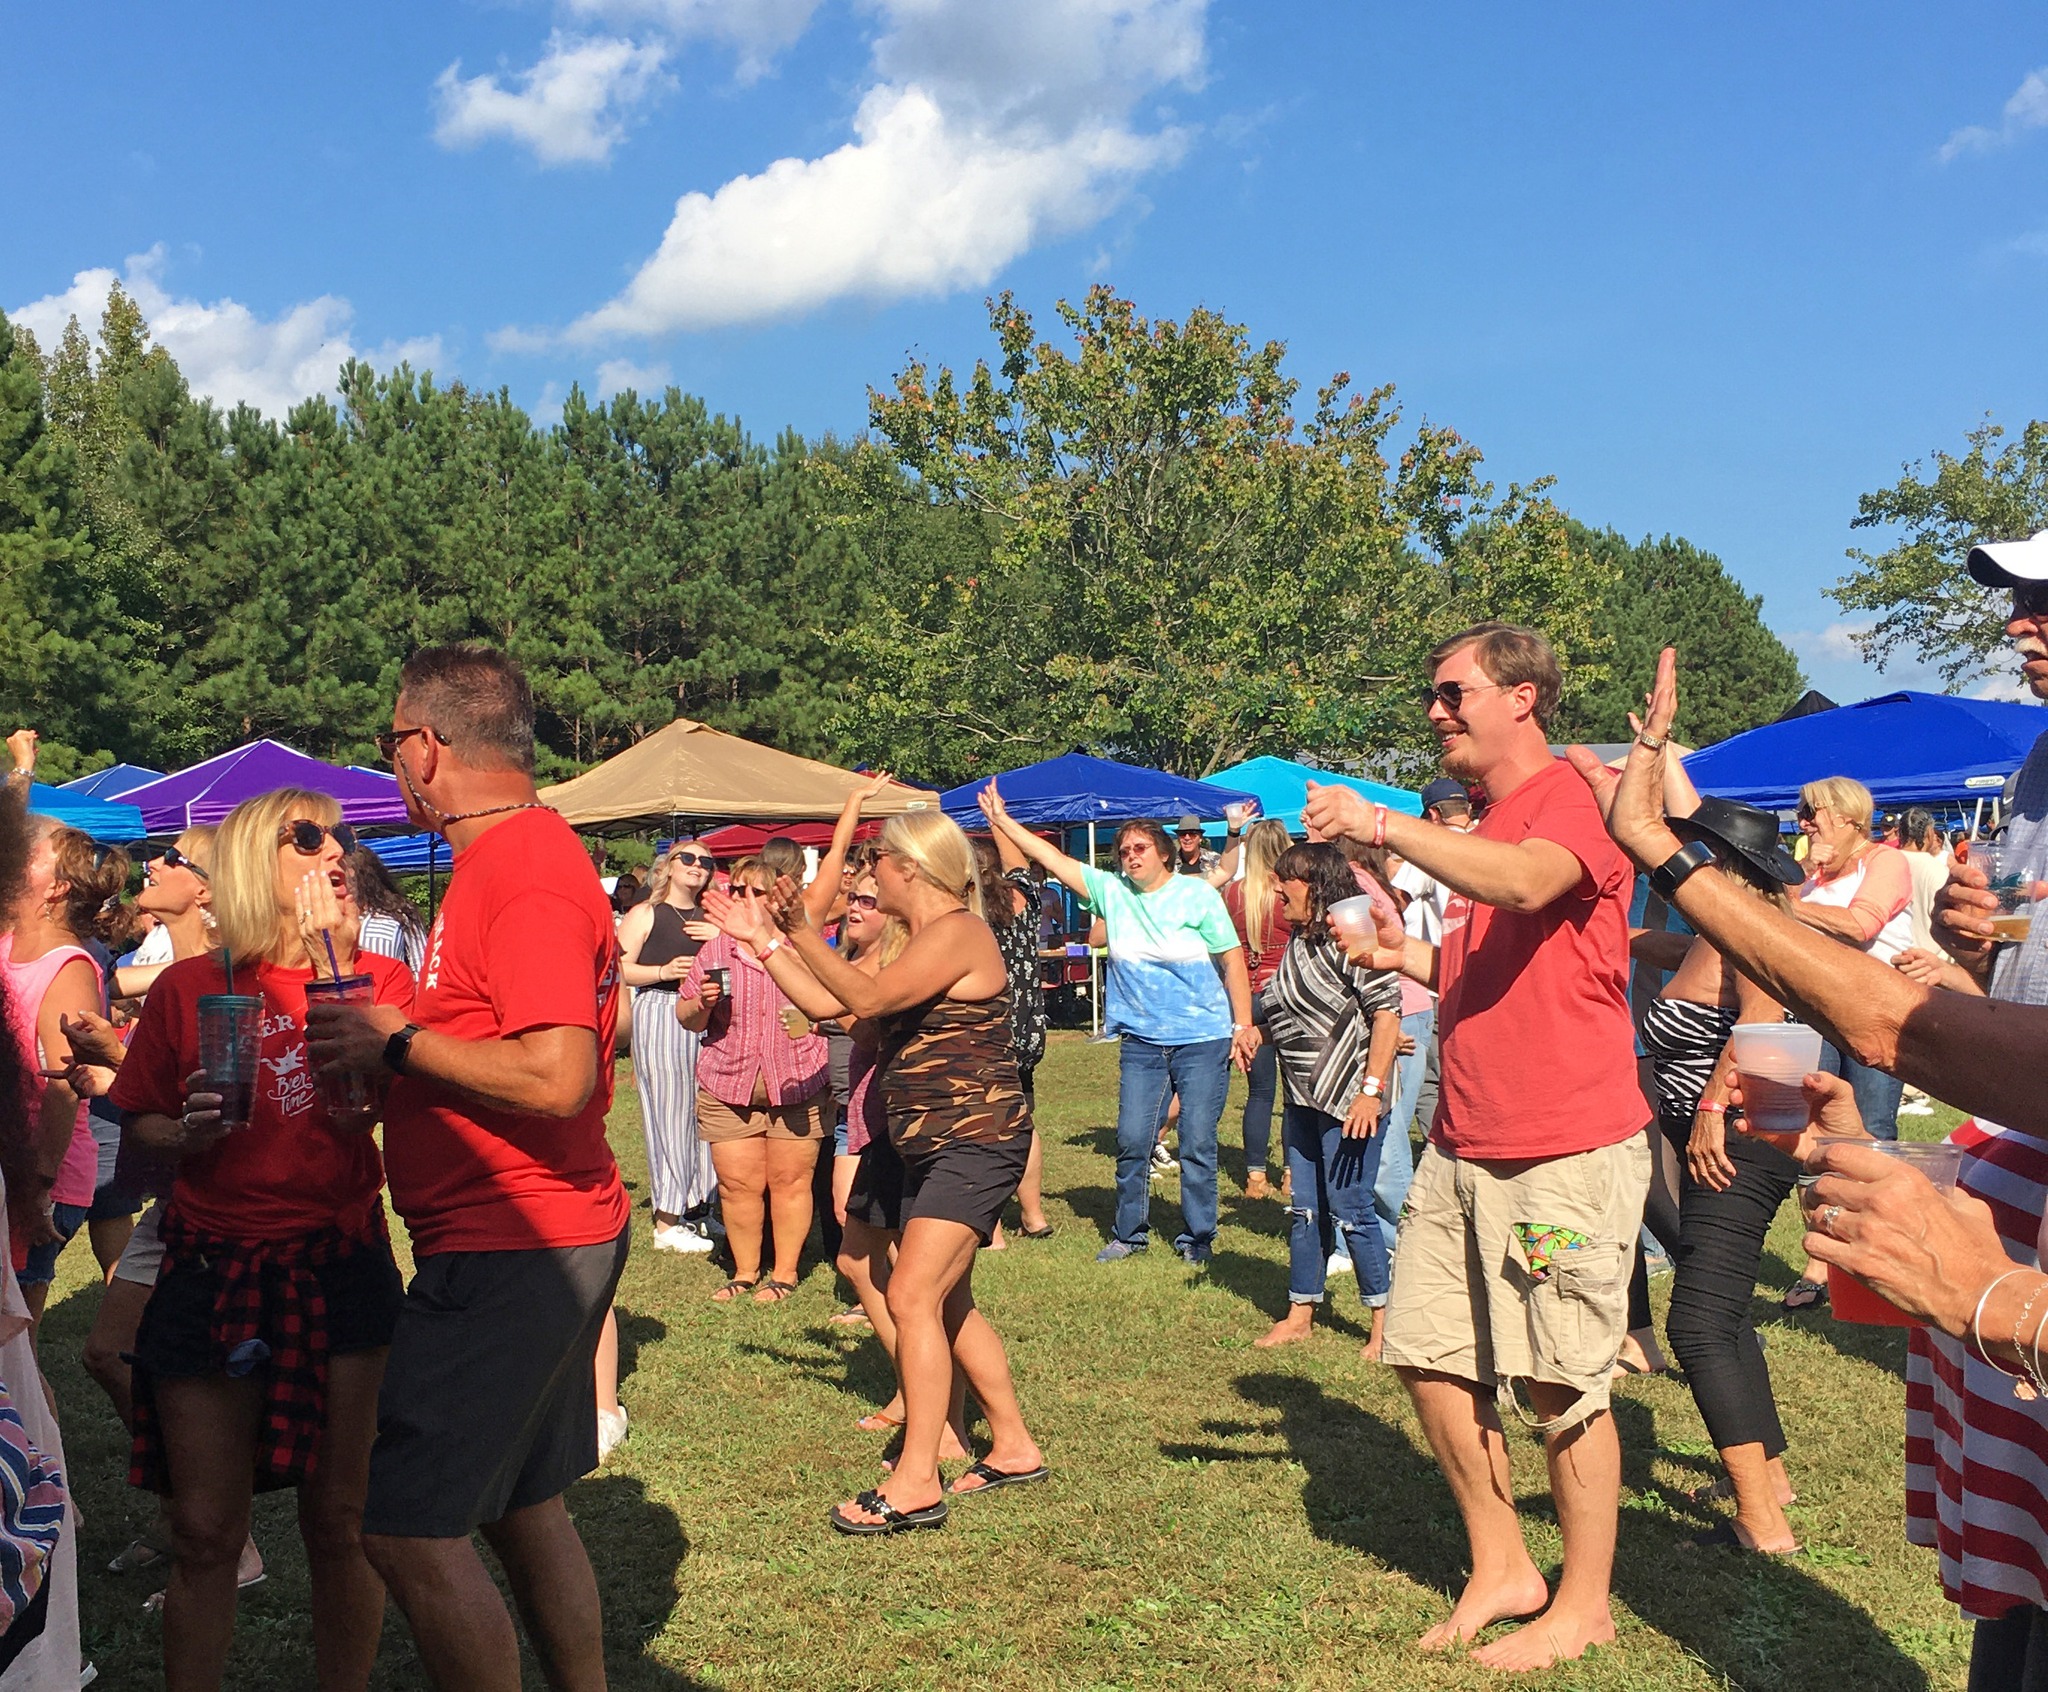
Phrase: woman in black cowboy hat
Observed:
(1731, 1187)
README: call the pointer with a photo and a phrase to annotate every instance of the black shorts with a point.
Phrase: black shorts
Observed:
(967, 1182)
(876, 1196)
(362, 1288)
(489, 1404)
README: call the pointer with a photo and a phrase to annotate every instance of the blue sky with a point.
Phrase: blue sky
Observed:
(1716, 270)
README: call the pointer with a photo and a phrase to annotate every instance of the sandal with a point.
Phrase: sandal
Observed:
(1805, 1295)
(142, 1553)
(853, 1318)
(732, 1289)
(875, 1423)
(773, 1291)
(1044, 1233)
(991, 1478)
(1726, 1536)
(893, 1520)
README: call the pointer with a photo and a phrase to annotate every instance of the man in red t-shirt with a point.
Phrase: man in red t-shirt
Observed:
(494, 1142)
(1513, 1262)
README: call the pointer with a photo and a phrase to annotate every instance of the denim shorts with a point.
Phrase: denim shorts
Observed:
(839, 1146)
(41, 1268)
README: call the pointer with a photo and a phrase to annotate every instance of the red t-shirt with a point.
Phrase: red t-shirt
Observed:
(288, 1173)
(523, 941)
(1538, 1052)
(1268, 951)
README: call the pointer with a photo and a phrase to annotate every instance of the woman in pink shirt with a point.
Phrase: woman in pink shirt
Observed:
(763, 1100)
(50, 975)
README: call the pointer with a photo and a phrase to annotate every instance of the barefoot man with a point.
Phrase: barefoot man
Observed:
(1510, 1294)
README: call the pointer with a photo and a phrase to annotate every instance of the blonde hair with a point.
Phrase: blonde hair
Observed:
(934, 845)
(244, 869)
(1846, 797)
(196, 843)
(1263, 843)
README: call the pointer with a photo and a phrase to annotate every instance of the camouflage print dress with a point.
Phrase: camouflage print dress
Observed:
(949, 1075)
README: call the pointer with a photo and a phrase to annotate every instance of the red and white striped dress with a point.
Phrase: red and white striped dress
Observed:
(1976, 1455)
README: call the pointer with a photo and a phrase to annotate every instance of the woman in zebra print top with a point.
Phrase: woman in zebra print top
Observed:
(1335, 1027)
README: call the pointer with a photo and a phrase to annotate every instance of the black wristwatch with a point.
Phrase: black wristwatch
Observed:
(1671, 874)
(398, 1049)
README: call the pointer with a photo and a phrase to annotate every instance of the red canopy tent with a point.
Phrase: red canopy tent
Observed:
(736, 840)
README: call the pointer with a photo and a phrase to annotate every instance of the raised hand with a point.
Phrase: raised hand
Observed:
(325, 914)
(742, 919)
(785, 904)
(1336, 812)
(1386, 947)
(1633, 802)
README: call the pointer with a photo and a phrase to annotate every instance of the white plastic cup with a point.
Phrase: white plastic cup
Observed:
(1352, 918)
(1772, 1059)
(1939, 1162)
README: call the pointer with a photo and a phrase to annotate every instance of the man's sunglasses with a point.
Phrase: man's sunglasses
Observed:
(391, 740)
(863, 901)
(172, 858)
(2030, 599)
(697, 858)
(308, 837)
(1450, 695)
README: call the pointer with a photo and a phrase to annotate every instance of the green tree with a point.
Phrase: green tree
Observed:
(1149, 555)
(1925, 600)
(1733, 672)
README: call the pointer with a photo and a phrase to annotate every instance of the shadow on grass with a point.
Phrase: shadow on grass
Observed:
(636, 1330)
(637, 1548)
(1750, 1620)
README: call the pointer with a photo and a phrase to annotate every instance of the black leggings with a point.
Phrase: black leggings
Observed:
(1720, 1249)
(2011, 1653)
(1660, 1216)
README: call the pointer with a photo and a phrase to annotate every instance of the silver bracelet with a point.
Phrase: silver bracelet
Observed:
(1974, 1332)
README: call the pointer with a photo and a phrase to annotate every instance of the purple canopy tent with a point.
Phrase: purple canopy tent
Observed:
(207, 792)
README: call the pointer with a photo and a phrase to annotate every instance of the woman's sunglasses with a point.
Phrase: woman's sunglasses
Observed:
(863, 901)
(172, 858)
(750, 892)
(308, 837)
(697, 858)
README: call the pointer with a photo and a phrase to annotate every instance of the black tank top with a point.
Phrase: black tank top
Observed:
(665, 942)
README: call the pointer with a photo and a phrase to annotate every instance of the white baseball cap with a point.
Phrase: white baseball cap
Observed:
(2006, 563)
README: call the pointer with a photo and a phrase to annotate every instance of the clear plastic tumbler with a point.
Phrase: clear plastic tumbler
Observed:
(230, 1036)
(1771, 1060)
(344, 1095)
(1850, 1299)
(2015, 878)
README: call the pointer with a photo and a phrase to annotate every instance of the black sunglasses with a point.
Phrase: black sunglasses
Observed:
(2030, 599)
(308, 837)
(1450, 695)
(696, 858)
(172, 858)
(745, 892)
(391, 740)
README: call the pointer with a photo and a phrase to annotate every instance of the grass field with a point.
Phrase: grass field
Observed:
(1218, 1515)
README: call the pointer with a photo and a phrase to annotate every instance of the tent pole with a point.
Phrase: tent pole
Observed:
(1094, 962)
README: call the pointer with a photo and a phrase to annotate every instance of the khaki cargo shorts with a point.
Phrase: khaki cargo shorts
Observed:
(1509, 1272)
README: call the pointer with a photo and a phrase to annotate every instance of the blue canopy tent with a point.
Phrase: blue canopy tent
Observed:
(109, 823)
(1907, 748)
(1281, 787)
(1077, 791)
(112, 782)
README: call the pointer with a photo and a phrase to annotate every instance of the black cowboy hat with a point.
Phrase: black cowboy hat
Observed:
(1744, 832)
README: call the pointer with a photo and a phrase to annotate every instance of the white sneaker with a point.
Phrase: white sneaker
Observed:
(611, 1432)
(1916, 1107)
(1163, 1161)
(1340, 1264)
(681, 1237)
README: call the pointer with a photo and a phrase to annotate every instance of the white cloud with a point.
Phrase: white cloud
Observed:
(2009, 686)
(755, 29)
(1835, 644)
(991, 126)
(570, 108)
(615, 375)
(2026, 110)
(224, 349)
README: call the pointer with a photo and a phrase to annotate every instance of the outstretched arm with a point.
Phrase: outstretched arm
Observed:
(1067, 871)
(824, 889)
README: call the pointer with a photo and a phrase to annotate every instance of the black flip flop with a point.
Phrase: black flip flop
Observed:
(1816, 1295)
(893, 1520)
(1044, 1233)
(991, 1478)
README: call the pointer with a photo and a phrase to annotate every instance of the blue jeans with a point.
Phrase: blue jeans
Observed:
(1397, 1162)
(1148, 1076)
(1263, 1086)
(1877, 1094)
(1333, 1179)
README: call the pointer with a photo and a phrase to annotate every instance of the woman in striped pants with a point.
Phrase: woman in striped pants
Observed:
(657, 940)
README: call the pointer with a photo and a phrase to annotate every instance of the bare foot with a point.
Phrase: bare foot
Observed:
(1546, 1641)
(996, 1242)
(1297, 1324)
(1480, 1605)
(1370, 1351)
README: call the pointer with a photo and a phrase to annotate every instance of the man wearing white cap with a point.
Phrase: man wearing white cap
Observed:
(1963, 909)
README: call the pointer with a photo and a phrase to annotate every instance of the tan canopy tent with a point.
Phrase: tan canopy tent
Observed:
(691, 770)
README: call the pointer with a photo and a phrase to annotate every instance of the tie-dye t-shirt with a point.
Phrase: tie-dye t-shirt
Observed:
(1164, 984)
